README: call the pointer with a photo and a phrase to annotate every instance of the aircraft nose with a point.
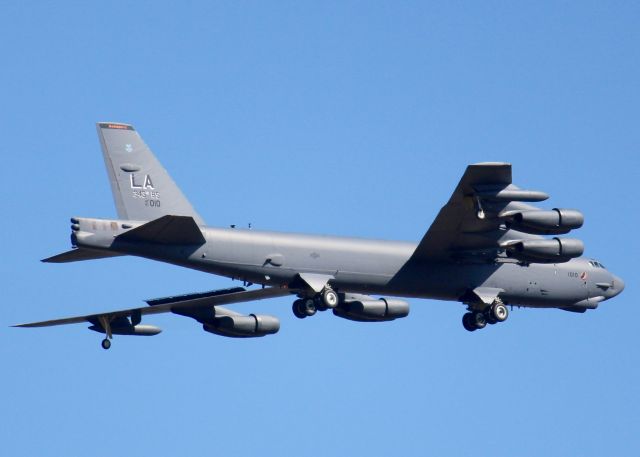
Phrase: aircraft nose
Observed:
(617, 285)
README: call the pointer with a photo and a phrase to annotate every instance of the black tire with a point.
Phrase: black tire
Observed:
(106, 344)
(297, 309)
(499, 312)
(467, 322)
(479, 321)
(319, 302)
(309, 306)
(330, 298)
(488, 315)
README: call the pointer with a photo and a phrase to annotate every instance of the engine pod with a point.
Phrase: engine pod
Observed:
(555, 222)
(237, 326)
(383, 309)
(556, 250)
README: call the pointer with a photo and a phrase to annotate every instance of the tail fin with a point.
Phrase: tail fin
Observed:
(142, 188)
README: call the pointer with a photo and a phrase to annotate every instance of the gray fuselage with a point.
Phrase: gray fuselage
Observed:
(363, 265)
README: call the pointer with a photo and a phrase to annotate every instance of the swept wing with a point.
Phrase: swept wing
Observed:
(191, 305)
(471, 223)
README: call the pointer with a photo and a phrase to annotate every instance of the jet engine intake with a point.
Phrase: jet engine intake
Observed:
(556, 250)
(554, 222)
(238, 326)
(372, 310)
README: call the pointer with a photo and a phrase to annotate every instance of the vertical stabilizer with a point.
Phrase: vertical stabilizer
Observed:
(142, 188)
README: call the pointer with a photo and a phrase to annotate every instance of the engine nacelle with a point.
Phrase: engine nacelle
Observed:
(237, 326)
(556, 250)
(554, 222)
(383, 309)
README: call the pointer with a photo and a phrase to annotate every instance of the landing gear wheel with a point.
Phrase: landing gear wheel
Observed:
(308, 306)
(488, 316)
(467, 322)
(499, 312)
(297, 309)
(319, 302)
(478, 320)
(330, 298)
(106, 343)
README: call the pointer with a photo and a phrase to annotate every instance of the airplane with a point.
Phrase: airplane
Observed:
(488, 248)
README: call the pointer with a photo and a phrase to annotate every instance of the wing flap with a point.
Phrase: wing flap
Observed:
(181, 298)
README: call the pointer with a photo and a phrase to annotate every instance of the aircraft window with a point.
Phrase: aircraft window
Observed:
(592, 263)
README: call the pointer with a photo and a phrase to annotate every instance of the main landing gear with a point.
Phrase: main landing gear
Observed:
(478, 319)
(308, 306)
(105, 322)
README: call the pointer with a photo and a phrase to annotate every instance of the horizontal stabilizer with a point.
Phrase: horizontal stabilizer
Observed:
(76, 255)
(166, 230)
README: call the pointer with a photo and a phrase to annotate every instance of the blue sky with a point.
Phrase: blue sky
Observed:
(347, 118)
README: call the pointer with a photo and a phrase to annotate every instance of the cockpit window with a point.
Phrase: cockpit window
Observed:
(596, 264)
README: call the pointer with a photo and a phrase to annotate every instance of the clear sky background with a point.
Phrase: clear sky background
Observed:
(346, 118)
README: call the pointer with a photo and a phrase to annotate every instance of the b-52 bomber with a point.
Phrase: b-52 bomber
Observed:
(487, 248)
